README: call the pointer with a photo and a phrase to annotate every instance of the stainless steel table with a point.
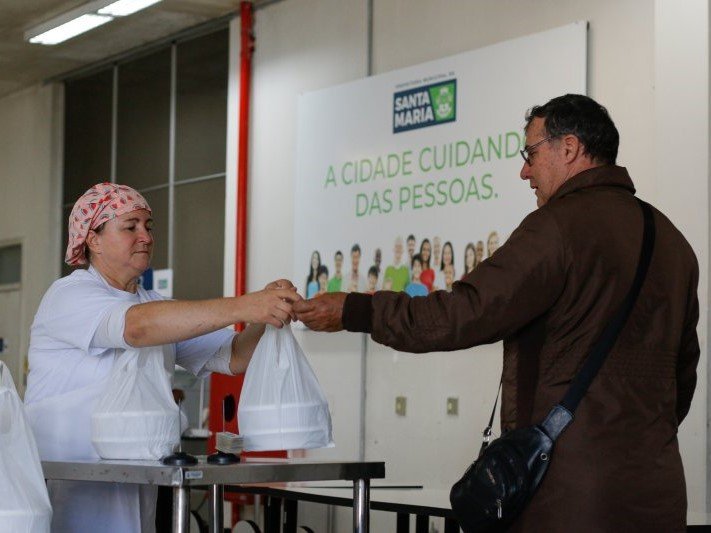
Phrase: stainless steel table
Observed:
(402, 499)
(182, 478)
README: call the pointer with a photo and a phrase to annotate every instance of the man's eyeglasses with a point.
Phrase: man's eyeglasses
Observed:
(526, 152)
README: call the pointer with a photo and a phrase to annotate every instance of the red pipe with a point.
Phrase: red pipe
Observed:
(247, 48)
(221, 385)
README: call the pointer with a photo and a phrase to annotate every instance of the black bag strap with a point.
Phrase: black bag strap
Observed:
(607, 339)
(562, 414)
(487, 430)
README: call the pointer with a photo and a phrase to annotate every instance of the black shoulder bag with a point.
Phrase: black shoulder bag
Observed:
(495, 489)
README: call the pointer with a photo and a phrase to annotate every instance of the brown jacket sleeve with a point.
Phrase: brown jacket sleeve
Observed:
(518, 283)
(688, 353)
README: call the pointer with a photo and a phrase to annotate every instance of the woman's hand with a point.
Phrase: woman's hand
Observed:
(283, 284)
(280, 284)
(273, 305)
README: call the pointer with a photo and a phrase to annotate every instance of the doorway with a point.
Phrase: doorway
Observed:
(10, 309)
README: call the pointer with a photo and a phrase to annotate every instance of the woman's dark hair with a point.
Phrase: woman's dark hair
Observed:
(451, 248)
(583, 117)
(98, 229)
(313, 272)
(470, 245)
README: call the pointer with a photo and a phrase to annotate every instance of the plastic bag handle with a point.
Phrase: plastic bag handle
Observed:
(280, 335)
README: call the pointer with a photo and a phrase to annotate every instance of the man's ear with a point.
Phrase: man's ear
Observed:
(572, 148)
(93, 242)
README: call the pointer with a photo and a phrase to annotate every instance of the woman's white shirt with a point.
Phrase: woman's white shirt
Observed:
(75, 338)
(78, 329)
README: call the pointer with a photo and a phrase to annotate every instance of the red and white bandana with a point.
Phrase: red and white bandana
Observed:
(100, 203)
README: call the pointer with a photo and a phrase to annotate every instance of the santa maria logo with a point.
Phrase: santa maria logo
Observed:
(423, 106)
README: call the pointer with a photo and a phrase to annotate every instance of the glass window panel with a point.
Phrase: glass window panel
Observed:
(87, 133)
(199, 239)
(158, 200)
(10, 264)
(201, 106)
(143, 120)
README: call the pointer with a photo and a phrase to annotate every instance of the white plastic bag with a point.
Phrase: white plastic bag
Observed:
(136, 418)
(282, 406)
(24, 503)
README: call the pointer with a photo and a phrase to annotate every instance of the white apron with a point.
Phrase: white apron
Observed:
(62, 428)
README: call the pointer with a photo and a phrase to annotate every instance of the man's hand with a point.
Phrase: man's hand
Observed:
(323, 313)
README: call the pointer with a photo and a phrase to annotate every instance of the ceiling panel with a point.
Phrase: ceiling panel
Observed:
(23, 64)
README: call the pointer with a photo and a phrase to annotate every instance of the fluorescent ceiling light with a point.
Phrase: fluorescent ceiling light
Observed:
(83, 18)
(126, 7)
(70, 29)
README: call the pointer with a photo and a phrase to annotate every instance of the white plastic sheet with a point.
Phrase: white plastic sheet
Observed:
(24, 503)
(282, 406)
(136, 418)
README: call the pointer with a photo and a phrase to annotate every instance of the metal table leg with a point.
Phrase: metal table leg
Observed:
(291, 513)
(422, 523)
(402, 523)
(272, 515)
(361, 506)
(217, 509)
(451, 526)
(181, 510)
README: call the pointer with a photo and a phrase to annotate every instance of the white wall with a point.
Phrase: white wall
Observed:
(648, 64)
(300, 46)
(30, 166)
(681, 177)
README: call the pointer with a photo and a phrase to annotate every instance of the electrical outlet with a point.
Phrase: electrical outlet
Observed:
(400, 405)
(452, 406)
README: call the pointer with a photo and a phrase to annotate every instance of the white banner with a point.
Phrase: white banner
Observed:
(430, 151)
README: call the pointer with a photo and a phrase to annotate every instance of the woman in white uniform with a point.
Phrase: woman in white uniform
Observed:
(89, 318)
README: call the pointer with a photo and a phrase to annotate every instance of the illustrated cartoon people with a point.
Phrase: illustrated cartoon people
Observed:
(416, 287)
(492, 243)
(373, 273)
(312, 279)
(354, 281)
(322, 276)
(334, 284)
(428, 274)
(469, 259)
(397, 273)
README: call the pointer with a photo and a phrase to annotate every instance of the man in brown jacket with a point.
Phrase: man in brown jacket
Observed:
(548, 292)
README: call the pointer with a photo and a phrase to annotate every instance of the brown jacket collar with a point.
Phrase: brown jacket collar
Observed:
(603, 176)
